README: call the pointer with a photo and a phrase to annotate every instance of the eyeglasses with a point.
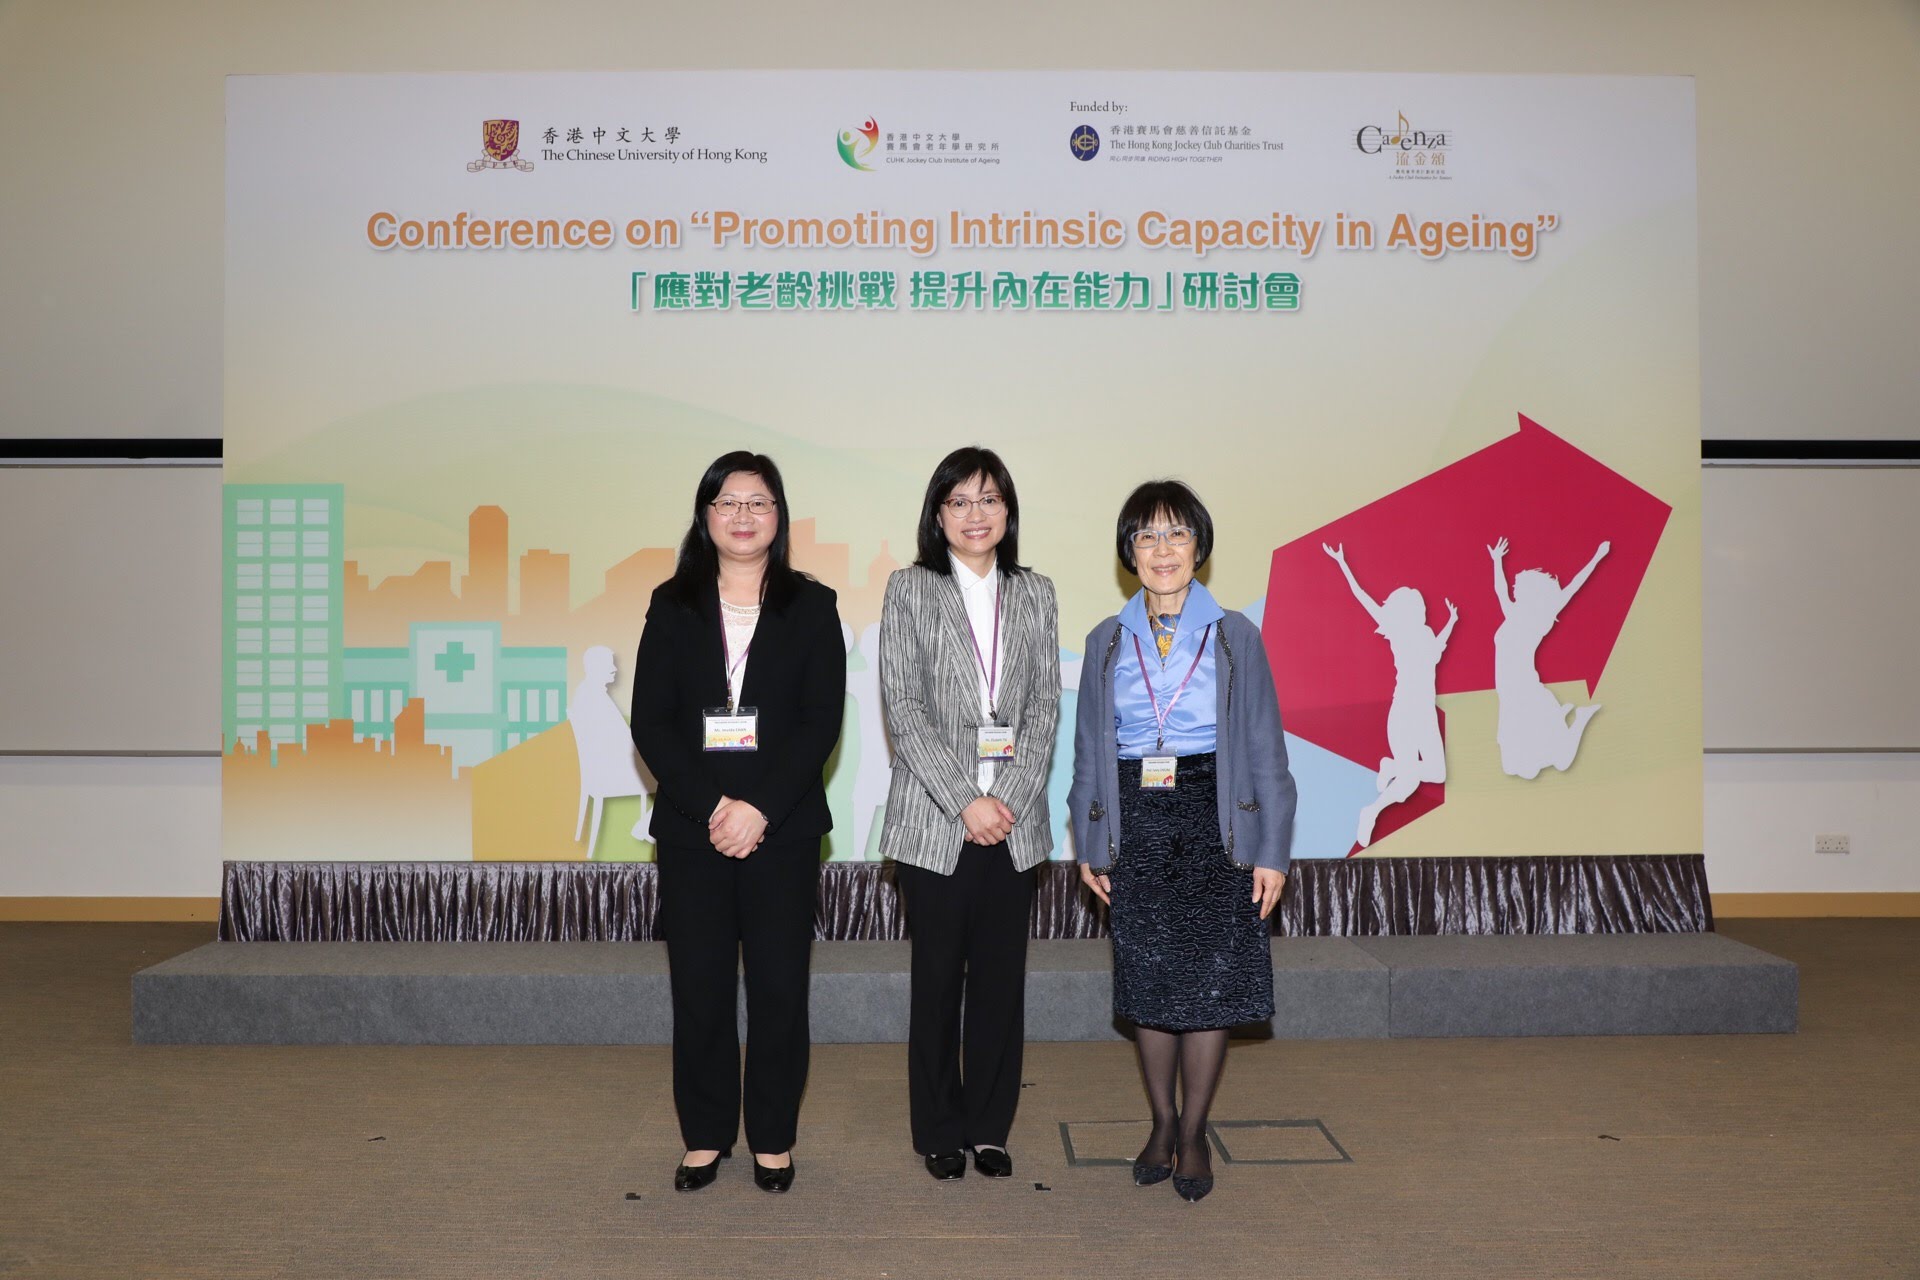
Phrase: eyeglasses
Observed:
(991, 505)
(1178, 536)
(730, 507)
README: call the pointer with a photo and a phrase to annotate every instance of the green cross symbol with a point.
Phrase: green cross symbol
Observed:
(455, 661)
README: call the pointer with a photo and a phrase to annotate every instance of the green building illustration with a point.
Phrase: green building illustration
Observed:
(280, 626)
(481, 697)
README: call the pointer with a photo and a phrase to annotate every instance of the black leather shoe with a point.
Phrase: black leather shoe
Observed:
(945, 1166)
(991, 1162)
(692, 1177)
(1147, 1175)
(1192, 1189)
(768, 1179)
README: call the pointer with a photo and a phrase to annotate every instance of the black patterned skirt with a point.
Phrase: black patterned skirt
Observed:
(1190, 951)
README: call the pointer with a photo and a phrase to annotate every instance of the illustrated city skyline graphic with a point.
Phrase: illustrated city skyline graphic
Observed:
(330, 679)
(404, 693)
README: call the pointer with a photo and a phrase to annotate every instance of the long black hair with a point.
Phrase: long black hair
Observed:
(698, 565)
(954, 470)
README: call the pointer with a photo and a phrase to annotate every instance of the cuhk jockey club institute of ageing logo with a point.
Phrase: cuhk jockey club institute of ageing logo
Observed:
(500, 140)
(857, 145)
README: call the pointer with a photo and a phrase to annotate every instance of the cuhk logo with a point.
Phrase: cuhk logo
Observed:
(857, 145)
(500, 139)
(1085, 142)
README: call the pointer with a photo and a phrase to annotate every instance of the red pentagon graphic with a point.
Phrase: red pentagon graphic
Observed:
(1552, 502)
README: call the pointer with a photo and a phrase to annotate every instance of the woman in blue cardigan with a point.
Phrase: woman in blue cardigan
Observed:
(1182, 815)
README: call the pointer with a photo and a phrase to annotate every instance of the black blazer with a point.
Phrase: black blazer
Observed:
(796, 677)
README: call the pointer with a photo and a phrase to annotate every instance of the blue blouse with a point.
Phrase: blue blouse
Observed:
(1191, 724)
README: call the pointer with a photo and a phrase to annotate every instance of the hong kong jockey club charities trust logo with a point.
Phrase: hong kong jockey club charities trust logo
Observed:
(1084, 142)
(500, 139)
(857, 145)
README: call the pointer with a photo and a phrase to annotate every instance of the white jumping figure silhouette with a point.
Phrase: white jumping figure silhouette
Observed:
(609, 766)
(1534, 732)
(1415, 751)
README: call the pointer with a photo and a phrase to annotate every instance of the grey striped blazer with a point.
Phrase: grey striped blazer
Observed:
(930, 683)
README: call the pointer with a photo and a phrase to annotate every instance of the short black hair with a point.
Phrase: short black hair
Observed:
(1178, 501)
(954, 470)
(698, 564)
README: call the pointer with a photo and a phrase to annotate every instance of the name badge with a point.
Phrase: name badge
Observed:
(1156, 772)
(732, 730)
(996, 742)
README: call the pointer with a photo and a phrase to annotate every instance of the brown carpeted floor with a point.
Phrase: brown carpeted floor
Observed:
(1792, 1156)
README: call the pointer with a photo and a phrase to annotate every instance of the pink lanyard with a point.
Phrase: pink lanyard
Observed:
(1159, 716)
(992, 675)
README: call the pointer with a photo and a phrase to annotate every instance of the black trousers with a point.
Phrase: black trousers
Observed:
(967, 1027)
(719, 914)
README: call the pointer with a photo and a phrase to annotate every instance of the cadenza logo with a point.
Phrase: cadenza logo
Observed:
(1372, 139)
(856, 145)
(500, 139)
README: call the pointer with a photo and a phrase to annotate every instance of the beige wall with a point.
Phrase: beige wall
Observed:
(110, 207)
(111, 223)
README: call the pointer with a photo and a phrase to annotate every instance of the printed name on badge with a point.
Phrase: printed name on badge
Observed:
(735, 730)
(1157, 773)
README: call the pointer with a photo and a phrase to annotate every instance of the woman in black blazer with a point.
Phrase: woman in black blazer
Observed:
(738, 693)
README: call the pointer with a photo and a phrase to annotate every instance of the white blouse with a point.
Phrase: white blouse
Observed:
(739, 622)
(980, 596)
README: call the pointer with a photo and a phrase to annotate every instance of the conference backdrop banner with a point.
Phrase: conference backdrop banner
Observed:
(1425, 345)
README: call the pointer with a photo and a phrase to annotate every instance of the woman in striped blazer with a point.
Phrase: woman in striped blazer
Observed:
(970, 675)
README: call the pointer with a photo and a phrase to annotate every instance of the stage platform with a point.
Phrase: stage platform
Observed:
(616, 992)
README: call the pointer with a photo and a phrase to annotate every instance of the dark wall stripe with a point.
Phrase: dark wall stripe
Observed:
(108, 450)
(1810, 450)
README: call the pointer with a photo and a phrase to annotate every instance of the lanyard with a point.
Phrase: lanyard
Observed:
(991, 674)
(1159, 716)
(726, 656)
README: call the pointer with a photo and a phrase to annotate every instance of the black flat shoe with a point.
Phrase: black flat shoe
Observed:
(769, 1179)
(947, 1165)
(1192, 1189)
(992, 1162)
(692, 1177)
(1147, 1175)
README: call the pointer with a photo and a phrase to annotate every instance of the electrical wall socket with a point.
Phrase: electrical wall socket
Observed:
(1833, 842)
